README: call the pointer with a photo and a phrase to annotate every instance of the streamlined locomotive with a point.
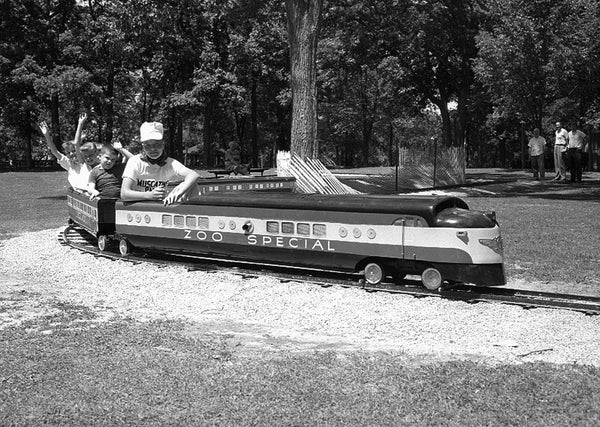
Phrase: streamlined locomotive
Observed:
(436, 237)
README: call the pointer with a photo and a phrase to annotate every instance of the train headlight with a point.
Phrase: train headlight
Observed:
(491, 215)
(494, 244)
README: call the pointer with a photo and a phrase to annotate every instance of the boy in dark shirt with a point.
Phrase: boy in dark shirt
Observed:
(105, 179)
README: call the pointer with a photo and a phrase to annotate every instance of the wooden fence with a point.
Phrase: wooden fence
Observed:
(435, 166)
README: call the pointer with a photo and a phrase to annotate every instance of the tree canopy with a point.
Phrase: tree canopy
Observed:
(380, 74)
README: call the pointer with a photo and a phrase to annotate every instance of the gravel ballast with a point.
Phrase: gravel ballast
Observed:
(263, 314)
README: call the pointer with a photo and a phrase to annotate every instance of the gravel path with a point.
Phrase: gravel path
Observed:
(262, 314)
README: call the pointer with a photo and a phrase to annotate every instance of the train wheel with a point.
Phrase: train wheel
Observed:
(373, 273)
(102, 242)
(432, 279)
(124, 247)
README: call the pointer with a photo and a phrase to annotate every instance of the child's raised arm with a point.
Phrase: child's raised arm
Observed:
(77, 141)
(124, 151)
(46, 132)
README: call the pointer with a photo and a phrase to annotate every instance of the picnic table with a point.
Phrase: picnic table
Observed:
(217, 172)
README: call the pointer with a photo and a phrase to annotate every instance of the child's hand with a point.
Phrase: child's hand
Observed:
(158, 193)
(173, 196)
(83, 117)
(117, 146)
(43, 128)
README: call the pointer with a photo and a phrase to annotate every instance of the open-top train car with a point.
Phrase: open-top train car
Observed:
(97, 216)
(436, 237)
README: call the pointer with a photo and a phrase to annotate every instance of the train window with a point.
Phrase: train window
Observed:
(178, 221)
(303, 229)
(190, 222)
(287, 227)
(410, 221)
(273, 227)
(319, 230)
(203, 222)
(167, 220)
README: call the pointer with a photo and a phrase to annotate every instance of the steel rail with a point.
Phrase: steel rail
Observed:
(78, 238)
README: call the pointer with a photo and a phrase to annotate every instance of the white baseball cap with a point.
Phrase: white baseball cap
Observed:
(151, 130)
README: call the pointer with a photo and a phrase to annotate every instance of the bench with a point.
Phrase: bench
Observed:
(258, 170)
(227, 172)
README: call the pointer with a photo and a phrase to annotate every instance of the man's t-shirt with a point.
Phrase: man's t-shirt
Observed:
(576, 139)
(536, 145)
(108, 182)
(146, 176)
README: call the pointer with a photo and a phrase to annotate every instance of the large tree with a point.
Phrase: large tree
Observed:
(304, 19)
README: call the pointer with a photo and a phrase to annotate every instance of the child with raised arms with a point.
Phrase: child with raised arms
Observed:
(71, 161)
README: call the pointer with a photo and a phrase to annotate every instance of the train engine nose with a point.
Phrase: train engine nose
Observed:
(465, 218)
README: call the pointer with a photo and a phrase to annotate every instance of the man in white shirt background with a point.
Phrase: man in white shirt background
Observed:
(537, 145)
(576, 145)
(561, 137)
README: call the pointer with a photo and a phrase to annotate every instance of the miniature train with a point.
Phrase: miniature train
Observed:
(436, 237)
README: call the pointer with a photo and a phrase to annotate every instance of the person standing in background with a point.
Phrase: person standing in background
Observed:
(536, 145)
(576, 145)
(561, 138)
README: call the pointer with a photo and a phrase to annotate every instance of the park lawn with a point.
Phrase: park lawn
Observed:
(32, 201)
(67, 369)
(130, 373)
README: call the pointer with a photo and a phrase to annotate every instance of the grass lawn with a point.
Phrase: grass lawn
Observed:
(128, 373)
(66, 369)
(32, 201)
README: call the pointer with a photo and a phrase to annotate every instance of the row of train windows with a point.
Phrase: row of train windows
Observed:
(188, 221)
(273, 227)
(301, 228)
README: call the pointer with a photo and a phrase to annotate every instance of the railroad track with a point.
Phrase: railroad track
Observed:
(78, 238)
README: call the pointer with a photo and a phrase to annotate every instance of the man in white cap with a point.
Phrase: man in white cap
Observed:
(147, 175)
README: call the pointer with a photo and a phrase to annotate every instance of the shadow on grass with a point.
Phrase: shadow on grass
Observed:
(61, 197)
(496, 184)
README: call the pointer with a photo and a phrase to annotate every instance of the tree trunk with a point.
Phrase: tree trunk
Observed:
(55, 120)
(110, 112)
(254, 124)
(208, 133)
(29, 152)
(303, 18)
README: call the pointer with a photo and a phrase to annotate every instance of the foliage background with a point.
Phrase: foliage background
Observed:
(390, 73)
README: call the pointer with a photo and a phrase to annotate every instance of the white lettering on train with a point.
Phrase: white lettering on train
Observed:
(277, 241)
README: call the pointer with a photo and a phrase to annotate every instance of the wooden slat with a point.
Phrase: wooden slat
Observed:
(311, 175)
